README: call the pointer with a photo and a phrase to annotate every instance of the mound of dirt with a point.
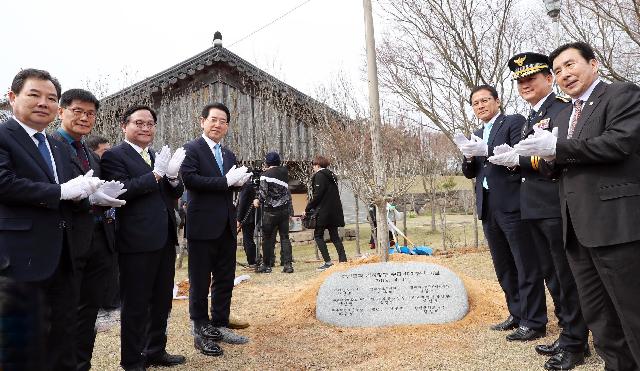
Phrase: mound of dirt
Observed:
(485, 298)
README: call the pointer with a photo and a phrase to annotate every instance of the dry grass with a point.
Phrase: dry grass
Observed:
(285, 334)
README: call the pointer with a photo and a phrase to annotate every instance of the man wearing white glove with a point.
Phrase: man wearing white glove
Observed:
(211, 177)
(146, 238)
(35, 234)
(596, 162)
(498, 206)
(93, 234)
(540, 208)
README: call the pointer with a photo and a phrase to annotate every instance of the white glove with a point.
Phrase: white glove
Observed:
(541, 143)
(107, 195)
(459, 139)
(162, 161)
(94, 182)
(80, 187)
(174, 164)
(112, 188)
(504, 155)
(475, 147)
(102, 199)
(243, 179)
(233, 176)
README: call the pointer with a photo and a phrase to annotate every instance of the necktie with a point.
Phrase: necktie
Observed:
(577, 110)
(218, 155)
(82, 155)
(44, 151)
(528, 123)
(485, 138)
(145, 156)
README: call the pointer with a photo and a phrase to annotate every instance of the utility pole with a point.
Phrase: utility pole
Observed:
(374, 126)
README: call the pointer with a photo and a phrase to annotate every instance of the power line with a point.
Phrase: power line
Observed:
(272, 22)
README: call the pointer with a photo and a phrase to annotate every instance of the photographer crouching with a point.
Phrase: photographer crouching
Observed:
(277, 208)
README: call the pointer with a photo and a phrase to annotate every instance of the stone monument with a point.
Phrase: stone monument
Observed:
(385, 294)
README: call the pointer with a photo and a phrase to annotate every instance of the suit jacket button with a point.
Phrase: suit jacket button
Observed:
(565, 170)
(62, 224)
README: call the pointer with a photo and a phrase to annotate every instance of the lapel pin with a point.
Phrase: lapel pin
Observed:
(591, 103)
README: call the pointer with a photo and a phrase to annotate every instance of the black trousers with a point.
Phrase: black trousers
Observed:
(608, 281)
(212, 258)
(546, 235)
(248, 243)
(37, 328)
(93, 272)
(146, 292)
(276, 221)
(318, 236)
(516, 264)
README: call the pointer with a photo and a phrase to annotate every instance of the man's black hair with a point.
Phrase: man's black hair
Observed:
(127, 114)
(489, 88)
(585, 50)
(220, 106)
(94, 141)
(31, 73)
(78, 94)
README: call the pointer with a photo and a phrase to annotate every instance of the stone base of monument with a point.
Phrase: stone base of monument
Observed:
(386, 294)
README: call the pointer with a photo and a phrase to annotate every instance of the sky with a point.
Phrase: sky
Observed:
(120, 42)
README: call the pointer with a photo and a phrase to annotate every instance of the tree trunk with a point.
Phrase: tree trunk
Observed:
(432, 186)
(357, 206)
(404, 223)
(476, 237)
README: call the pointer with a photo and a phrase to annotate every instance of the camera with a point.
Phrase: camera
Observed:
(256, 172)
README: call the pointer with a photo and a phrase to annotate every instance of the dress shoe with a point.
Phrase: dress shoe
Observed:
(508, 324)
(165, 359)
(263, 269)
(207, 331)
(231, 337)
(523, 333)
(287, 269)
(207, 347)
(564, 360)
(236, 323)
(554, 348)
(549, 350)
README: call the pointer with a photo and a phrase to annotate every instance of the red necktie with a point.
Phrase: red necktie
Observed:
(577, 110)
(82, 156)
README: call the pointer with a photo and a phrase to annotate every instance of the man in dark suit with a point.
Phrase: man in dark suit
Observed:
(540, 208)
(498, 205)
(93, 233)
(146, 236)
(36, 186)
(210, 175)
(597, 158)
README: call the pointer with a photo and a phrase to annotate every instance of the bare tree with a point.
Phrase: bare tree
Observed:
(612, 27)
(346, 140)
(437, 50)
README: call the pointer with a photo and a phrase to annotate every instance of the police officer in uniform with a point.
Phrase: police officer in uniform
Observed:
(540, 209)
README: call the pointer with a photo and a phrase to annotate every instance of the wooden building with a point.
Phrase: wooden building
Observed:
(266, 114)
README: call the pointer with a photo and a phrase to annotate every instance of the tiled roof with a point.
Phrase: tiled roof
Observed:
(201, 62)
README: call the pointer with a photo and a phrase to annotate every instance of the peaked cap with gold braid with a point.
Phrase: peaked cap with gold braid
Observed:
(528, 63)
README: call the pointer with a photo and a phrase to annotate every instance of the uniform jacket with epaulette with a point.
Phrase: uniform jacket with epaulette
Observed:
(539, 196)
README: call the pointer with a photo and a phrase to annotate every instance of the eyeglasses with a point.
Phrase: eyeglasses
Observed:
(216, 120)
(144, 124)
(78, 112)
